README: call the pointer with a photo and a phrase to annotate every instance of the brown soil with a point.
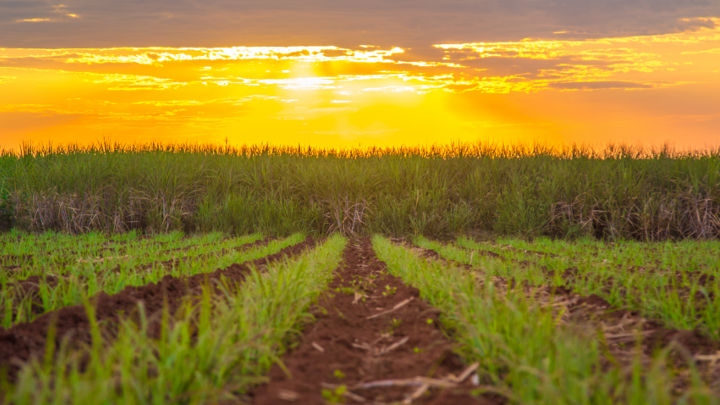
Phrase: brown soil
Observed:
(571, 274)
(10, 270)
(27, 340)
(622, 330)
(29, 288)
(489, 253)
(374, 341)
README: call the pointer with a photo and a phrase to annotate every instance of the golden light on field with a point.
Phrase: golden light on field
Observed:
(645, 90)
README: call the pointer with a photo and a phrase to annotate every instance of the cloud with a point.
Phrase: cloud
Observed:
(62, 10)
(588, 64)
(692, 24)
(39, 12)
(33, 20)
(599, 85)
(527, 65)
(127, 82)
(404, 23)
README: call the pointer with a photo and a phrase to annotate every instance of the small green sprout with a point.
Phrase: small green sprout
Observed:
(389, 290)
(336, 396)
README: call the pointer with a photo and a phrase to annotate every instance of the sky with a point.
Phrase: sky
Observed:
(339, 74)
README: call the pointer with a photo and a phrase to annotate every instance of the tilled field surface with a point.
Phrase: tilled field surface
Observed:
(374, 341)
(381, 321)
(623, 331)
(29, 288)
(25, 341)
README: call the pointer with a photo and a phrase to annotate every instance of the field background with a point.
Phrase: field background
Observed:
(617, 193)
(214, 258)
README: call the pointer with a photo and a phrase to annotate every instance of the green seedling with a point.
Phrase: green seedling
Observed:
(389, 290)
(212, 342)
(529, 357)
(334, 396)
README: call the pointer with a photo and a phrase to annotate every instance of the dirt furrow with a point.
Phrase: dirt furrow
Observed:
(621, 330)
(678, 281)
(374, 341)
(29, 288)
(25, 341)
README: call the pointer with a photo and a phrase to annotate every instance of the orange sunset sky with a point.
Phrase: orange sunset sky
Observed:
(346, 73)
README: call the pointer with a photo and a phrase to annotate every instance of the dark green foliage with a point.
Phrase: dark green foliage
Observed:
(618, 193)
(7, 215)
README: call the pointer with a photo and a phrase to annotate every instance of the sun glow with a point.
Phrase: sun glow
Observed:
(619, 89)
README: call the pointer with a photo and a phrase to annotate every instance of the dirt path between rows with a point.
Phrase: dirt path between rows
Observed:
(622, 330)
(374, 341)
(29, 288)
(27, 340)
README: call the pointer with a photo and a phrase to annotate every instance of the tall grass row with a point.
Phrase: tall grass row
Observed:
(616, 193)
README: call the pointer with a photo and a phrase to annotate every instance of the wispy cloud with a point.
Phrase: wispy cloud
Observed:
(156, 56)
(62, 10)
(634, 62)
(33, 20)
(53, 13)
(599, 84)
(550, 86)
(402, 23)
(596, 63)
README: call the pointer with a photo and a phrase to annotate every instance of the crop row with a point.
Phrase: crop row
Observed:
(19, 243)
(619, 193)
(32, 257)
(212, 349)
(663, 283)
(23, 301)
(528, 351)
(534, 342)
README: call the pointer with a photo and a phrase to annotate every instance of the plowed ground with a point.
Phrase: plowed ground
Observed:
(25, 341)
(374, 341)
(623, 331)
